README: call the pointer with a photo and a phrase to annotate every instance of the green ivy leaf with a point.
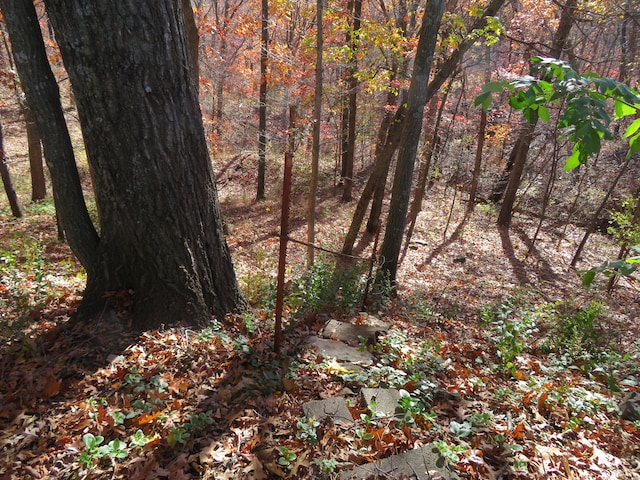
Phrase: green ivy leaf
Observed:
(588, 277)
(573, 161)
(633, 128)
(623, 110)
(543, 114)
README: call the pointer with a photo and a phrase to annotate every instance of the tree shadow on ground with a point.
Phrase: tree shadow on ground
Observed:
(517, 265)
(455, 235)
(543, 267)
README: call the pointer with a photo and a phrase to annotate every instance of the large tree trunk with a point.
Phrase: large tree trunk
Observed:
(193, 39)
(417, 99)
(41, 91)
(160, 224)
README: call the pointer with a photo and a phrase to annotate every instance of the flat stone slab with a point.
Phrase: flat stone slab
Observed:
(630, 407)
(421, 464)
(340, 351)
(334, 407)
(383, 401)
(349, 333)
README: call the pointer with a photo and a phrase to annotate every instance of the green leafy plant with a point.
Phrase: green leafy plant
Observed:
(139, 439)
(178, 435)
(461, 430)
(95, 450)
(625, 267)
(323, 287)
(585, 101)
(327, 465)
(307, 430)
(450, 452)
(513, 324)
(286, 457)
(214, 330)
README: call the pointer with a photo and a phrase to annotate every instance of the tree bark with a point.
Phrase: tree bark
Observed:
(262, 108)
(6, 180)
(315, 148)
(385, 147)
(42, 94)
(193, 39)
(521, 147)
(352, 84)
(36, 167)
(417, 99)
(431, 145)
(160, 223)
(482, 127)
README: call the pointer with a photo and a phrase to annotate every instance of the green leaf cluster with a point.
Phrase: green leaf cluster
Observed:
(588, 104)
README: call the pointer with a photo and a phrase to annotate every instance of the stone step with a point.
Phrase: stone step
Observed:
(420, 464)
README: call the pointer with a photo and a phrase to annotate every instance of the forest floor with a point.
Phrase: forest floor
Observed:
(534, 365)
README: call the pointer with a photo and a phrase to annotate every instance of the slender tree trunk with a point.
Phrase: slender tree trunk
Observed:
(161, 228)
(594, 222)
(521, 147)
(417, 99)
(42, 94)
(546, 196)
(431, 144)
(6, 180)
(482, 127)
(352, 83)
(519, 153)
(262, 109)
(378, 176)
(36, 166)
(34, 144)
(386, 155)
(193, 39)
(315, 149)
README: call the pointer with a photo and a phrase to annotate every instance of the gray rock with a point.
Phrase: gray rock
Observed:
(349, 333)
(630, 407)
(335, 408)
(340, 351)
(386, 400)
(421, 464)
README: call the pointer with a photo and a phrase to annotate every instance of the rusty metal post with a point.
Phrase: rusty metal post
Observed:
(284, 229)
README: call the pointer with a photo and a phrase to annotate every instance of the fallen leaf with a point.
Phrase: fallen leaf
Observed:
(51, 387)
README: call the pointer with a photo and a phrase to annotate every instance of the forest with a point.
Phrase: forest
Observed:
(323, 239)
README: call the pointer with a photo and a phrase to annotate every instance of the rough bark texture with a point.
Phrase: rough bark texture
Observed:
(161, 230)
(41, 91)
(418, 97)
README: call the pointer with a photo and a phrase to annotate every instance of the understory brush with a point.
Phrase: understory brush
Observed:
(321, 288)
(573, 336)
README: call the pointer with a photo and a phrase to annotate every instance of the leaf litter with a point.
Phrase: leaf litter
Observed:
(482, 385)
